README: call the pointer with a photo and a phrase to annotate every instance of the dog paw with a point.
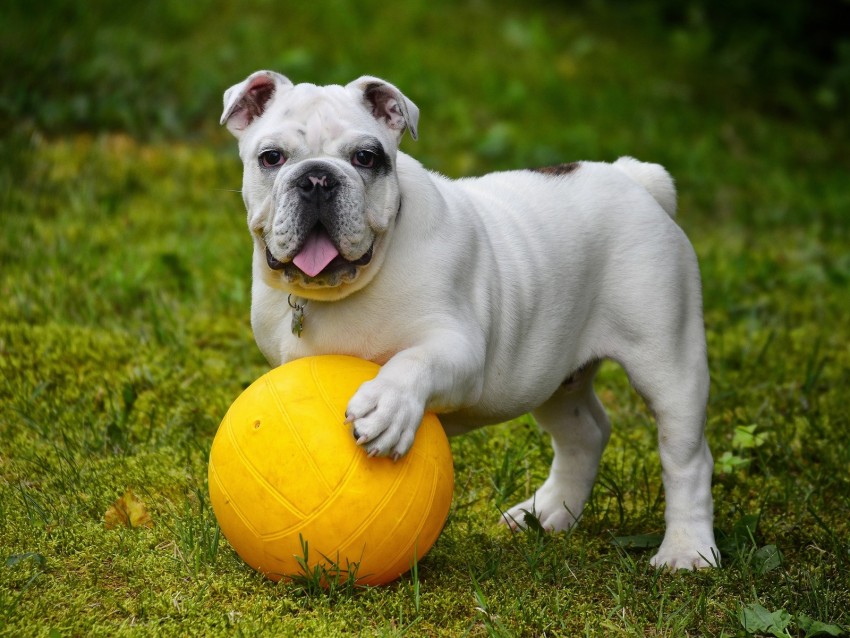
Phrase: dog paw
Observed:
(549, 506)
(683, 550)
(385, 418)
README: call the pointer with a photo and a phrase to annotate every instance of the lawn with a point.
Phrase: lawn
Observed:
(125, 334)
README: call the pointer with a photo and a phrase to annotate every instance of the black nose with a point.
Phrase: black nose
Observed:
(317, 185)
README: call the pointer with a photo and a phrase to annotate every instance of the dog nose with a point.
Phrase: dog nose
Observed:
(316, 185)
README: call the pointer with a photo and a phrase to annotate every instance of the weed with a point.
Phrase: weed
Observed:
(415, 584)
(197, 536)
(325, 577)
(33, 565)
(492, 623)
(756, 619)
(510, 475)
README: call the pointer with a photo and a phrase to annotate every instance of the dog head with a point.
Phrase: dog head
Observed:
(319, 178)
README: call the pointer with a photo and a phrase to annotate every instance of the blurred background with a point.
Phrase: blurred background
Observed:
(511, 83)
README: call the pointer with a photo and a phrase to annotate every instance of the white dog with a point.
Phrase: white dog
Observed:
(482, 298)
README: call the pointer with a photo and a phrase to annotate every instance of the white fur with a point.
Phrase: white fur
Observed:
(491, 297)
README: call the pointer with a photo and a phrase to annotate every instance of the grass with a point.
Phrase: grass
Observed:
(124, 333)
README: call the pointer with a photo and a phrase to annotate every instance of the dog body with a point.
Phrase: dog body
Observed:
(483, 298)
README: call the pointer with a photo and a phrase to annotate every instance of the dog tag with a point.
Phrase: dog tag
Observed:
(297, 323)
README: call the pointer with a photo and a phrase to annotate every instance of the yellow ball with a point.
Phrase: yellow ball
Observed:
(284, 468)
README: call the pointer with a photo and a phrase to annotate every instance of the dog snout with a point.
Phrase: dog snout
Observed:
(317, 185)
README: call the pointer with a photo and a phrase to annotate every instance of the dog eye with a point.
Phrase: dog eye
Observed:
(363, 159)
(271, 159)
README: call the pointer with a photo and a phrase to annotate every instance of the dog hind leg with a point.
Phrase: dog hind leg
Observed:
(579, 428)
(677, 394)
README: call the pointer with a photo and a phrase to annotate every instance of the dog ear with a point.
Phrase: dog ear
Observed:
(387, 104)
(246, 101)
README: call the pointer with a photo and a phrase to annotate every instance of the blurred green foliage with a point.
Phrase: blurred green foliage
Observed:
(792, 58)
(158, 68)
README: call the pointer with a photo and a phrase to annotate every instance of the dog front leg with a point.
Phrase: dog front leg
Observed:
(442, 374)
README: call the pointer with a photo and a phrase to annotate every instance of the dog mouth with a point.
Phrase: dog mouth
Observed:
(318, 259)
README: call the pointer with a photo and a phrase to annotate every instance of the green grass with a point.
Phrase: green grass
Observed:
(124, 332)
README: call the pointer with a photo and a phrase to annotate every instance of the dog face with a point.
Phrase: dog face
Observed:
(319, 179)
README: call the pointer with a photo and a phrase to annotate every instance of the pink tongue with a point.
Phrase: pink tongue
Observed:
(318, 251)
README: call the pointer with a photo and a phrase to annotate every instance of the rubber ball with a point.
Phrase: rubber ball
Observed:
(295, 495)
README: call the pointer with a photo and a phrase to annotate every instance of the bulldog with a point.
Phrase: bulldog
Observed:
(482, 298)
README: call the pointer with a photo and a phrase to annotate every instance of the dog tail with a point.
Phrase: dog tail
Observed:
(654, 178)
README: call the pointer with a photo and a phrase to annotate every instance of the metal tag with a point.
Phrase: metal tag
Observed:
(297, 323)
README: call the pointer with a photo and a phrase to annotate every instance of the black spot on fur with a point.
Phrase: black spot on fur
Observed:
(558, 169)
